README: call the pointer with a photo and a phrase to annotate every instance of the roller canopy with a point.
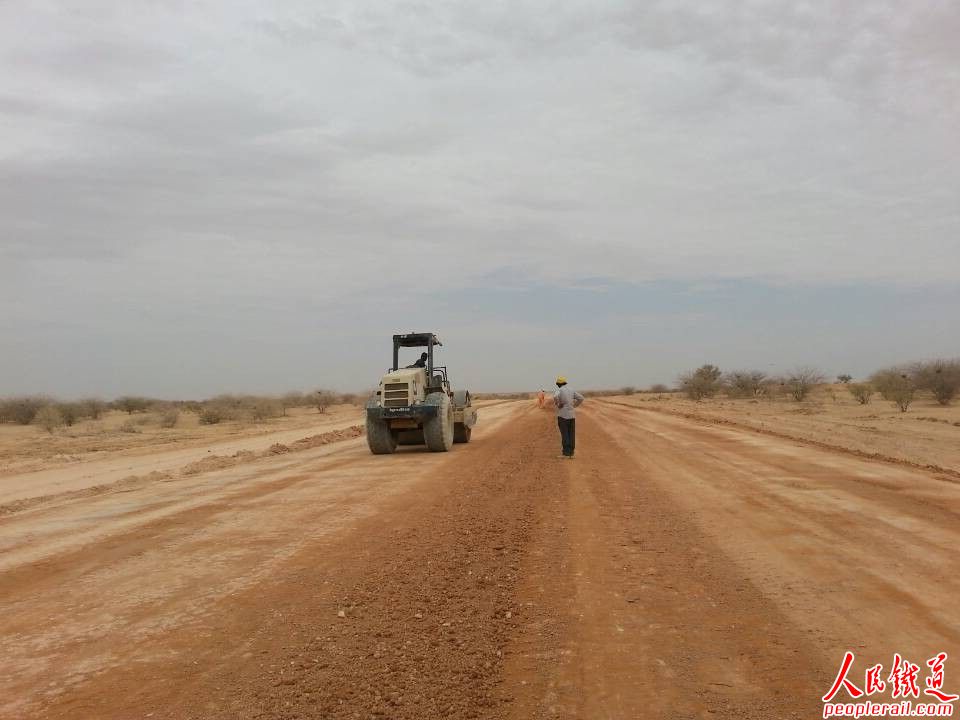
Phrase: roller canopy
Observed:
(416, 340)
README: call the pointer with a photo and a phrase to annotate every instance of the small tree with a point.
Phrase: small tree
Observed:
(886, 381)
(131, 404)
(70, 412)
(659, 388)
(628, 390)
(129, 426)
(901, 392)
(862, 392)
(940, 377)
(292, 400)
(49, 418)
(844, 379)
(92, 408)
(324, 399)
(801, 381)
(169, 417)
(772, 387)
(744, 383)
(211, 415)
(701, 383)
(902, 395)
(263, 409)
(21, 410)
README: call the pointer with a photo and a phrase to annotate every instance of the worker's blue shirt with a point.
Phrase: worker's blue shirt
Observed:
(566, 400)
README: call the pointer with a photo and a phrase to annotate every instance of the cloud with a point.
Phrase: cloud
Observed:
(184, 158)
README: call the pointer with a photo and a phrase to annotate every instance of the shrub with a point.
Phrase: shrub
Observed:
(701, 383)
(129, 426)
(801, 381)
(844, 379)
(324, 399)
(211, 415)
(169, 417)
(70, 412)
(940, 377)
(48, 417)
(862, 392)
(92, 408)
(896, 385)
(886, 381)
(659, 388)
(260, 409)
(292, 400)
(744, 383)
(902, 395)
(131, 404)
(628, 390)
(21, 410)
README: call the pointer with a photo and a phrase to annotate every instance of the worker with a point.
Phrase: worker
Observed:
(422, 362)
(541, 398)
(566, 400)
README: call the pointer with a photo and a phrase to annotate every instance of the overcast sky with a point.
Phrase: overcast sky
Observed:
(252, 196)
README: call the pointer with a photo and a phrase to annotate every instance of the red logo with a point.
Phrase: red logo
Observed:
(903, 682)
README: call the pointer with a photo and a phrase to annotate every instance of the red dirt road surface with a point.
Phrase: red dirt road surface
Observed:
(673, 570)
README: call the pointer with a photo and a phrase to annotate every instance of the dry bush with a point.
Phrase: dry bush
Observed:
(169, 417)
(21, 410)
(48, 417)
(243, 408)
(292, 400)
(940, 377)
(896, 385)
(744, 383)
(224, 407)
(659, 388)
(844, 379)
(129, 426)
(773, 388)
(628, 390)
(260, 409)
(704, 382)
(887, 380)
(902, 395)
(802, 380)
(131, 404)
(862, 392)
(92, 408)
(70, 412)
(211, 415)
(324, 399)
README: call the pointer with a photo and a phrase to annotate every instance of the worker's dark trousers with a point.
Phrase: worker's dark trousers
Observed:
(568, 434)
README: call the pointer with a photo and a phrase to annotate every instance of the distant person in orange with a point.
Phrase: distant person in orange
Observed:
(541, 398)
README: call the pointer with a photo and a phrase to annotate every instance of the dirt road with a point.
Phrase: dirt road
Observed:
(18, 486)
(672, 570)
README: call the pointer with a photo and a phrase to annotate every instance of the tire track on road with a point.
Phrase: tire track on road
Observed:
(656, 621)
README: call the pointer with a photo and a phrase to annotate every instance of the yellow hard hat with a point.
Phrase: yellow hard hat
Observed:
(561, 380)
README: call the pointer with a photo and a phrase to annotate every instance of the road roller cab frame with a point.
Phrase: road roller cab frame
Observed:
(415, 405)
